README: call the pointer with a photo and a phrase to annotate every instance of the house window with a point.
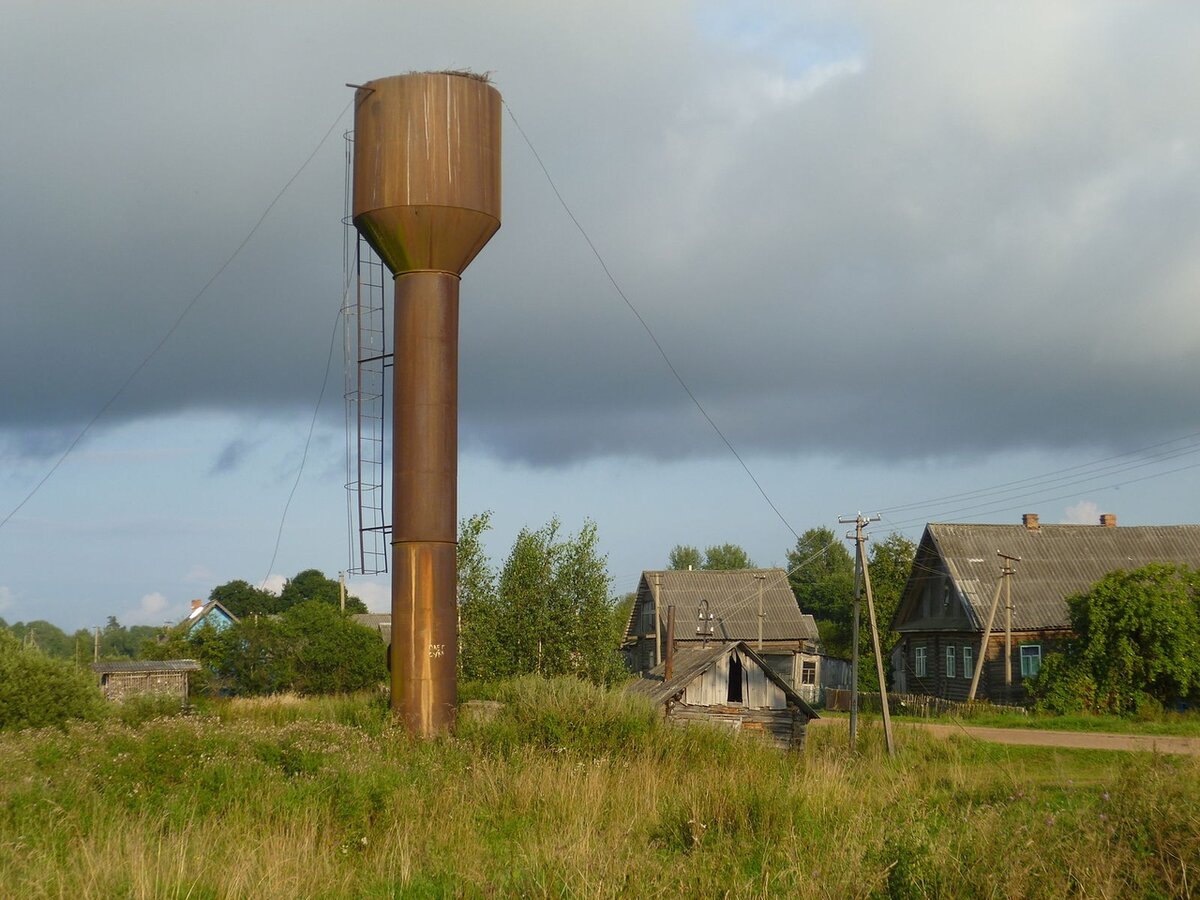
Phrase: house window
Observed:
(968, 662)
(808, 672)
(949, 662)
(919, 662)
(734, 694)
(1031, 659)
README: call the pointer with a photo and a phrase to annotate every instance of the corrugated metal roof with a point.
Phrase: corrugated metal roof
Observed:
(691, 662)
(380, 623)
(732, 597)
(146, 665)
(1056, 562)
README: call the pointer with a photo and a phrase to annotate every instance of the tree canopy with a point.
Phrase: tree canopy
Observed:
(821, 573)
(244, 599)
(1136, 643)
(716, 557)
(546, 611)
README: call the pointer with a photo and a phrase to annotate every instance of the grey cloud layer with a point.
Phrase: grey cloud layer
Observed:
(947, 232)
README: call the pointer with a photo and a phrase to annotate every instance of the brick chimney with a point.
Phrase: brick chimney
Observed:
(1030, 521)
(1108, 520)
(196, 604)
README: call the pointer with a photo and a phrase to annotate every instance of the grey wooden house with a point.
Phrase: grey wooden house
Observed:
(945, 603)
(123, 679)
(728, 685)
(790, 642)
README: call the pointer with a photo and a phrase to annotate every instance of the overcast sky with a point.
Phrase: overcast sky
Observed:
(899, 252)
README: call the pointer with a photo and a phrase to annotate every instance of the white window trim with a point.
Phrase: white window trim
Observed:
(951, 656)
(1025, 673)
(968, 662)
(920, 661)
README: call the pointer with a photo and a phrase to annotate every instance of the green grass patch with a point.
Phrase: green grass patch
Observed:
(572, 791)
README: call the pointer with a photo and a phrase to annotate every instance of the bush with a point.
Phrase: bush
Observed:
(37, 691)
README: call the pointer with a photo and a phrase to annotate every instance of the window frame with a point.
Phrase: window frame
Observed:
(808, 672)
(920, 661)
(968, 654)
(1035, 666)
(951, 657)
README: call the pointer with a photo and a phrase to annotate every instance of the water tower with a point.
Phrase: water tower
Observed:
(426, 196)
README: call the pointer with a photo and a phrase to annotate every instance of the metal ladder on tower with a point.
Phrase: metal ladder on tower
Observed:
(368, 356)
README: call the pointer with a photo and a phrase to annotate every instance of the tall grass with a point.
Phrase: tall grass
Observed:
(571, 791)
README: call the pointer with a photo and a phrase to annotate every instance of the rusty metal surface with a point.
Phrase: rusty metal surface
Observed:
(424, 636)
(425, 421)
(427, 169)
(427, 198)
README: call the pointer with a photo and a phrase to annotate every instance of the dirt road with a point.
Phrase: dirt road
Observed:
(1083, 740)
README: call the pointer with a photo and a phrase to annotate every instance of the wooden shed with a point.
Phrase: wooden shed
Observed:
(150, 677)
(729, 685)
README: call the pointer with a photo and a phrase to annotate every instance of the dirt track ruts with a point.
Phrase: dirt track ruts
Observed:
(1082, 740)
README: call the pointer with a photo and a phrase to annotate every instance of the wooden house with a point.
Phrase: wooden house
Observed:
(789, 640)
(945, 604)
(123, 679)
(211, 613)
(728, 685)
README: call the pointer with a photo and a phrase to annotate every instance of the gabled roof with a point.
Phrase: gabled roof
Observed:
(1057, 561)
(146, 666)
(732, 596)
(197, 616)
(692, 662)
(380, 623)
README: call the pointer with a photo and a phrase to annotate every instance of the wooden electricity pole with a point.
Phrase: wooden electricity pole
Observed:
(760, 579)
(860, 566)
(342, 590)
(1006, 572)
(657, 624)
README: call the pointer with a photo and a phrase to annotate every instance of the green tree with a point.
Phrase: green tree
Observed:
(43, 635)
(890, 562)
(481, 652)
(821, 573)
(252, 657)
(726, 556)
(684, 557)
(37, 691)
(311, 584)
(331, 654)
(243, 599)
(1136, 643)
(546, 611)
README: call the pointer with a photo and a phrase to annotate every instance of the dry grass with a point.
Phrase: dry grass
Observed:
(548, 800)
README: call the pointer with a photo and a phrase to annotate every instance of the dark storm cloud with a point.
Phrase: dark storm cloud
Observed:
(956, 232)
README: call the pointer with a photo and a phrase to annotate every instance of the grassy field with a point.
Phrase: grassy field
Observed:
(571, 791)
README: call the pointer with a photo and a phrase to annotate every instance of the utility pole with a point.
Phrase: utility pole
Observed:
(96, 646)
(1008, 611)
(760, 579)
(860, 558)
(342, 590)
(669, 669)
(657, 622)
(1006, 572)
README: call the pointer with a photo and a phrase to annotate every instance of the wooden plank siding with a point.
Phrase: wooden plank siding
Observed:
(937, 682)
(785, 728)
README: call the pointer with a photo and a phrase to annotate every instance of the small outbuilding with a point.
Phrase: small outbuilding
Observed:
(728, 685)
(143, 678)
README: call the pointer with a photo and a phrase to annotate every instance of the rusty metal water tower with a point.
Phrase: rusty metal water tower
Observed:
(426, 196)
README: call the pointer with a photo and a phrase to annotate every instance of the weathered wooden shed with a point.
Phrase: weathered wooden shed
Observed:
(729, 685)
(150, 677)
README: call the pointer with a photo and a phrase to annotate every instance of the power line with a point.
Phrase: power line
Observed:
(175, 325)
(307, 443)
(646, 327)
